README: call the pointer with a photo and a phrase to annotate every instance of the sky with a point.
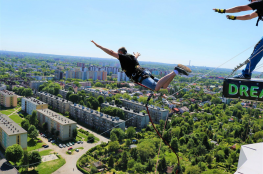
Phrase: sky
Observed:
(167, 31)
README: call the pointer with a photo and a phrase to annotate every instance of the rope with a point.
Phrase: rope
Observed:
(161, 143)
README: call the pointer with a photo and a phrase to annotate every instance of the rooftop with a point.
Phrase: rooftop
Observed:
(98, 114)
(9, 126)
(6, 92)
(138, 103)
(56, 117)
(125, 109)
(34, 101)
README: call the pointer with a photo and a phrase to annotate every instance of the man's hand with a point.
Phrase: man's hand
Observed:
(219, 10)
(230, 17)
(136, 54)
(95, 43)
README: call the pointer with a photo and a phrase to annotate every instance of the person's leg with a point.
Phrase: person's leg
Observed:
(256, 56)
(165, 81)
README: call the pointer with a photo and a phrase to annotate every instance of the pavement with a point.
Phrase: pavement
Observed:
(71, 160)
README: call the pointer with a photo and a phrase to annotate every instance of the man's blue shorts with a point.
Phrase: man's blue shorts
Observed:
(149, 82)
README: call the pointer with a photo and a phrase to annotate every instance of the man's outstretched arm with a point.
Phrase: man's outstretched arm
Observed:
(136, 55)
(234, 9)
(244, 17)
(106, 50)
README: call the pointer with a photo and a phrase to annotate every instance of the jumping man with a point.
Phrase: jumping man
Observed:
(136, 73)
(257, 53)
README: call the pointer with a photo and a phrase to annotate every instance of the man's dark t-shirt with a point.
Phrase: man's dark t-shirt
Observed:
(128, 63)
(257, 5)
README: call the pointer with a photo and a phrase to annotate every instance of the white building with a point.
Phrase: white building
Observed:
(11, 133)
(28, 105)
(122, 77)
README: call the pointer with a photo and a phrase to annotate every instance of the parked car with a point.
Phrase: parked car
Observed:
(53, 141)
(46, 146)
(64, 145)
(70, 148)
(39, 141)
(78, 142)
(60, 145)
(43, 145)
(73, 143)
(49, 139)
(67, 145)
(70, 144)
(77, 150)
(81, 142)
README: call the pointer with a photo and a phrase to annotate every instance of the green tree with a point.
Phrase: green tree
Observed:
(25, 124)
(32, 132)
(33, 119)
(130, 132)
(25, 160)
(45, 126)
(113, 146)
(111, 162)
(128, 142)
(27, 92)
(193, 170)
(124, 160)
(146, 149)
(131, 163)
(113, 137)
(74, 133)
(119, 132)
(74, 98)
(34, 158)
(14, 153)
(174, 144)
(91, 138)
(59, 96)
(68, 94)
(101, 99)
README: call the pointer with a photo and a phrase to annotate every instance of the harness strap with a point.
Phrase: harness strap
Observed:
(259, 18)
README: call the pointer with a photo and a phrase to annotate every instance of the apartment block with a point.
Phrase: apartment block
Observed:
(63, 93)
(136, 119)
(11, 133)
(95, 119)
(57, 122)
(157, 113)
(121, 76)
(58, 74)
(8, 98)
(30, 104)
(95, 93)
(35, 84)
(62, 105)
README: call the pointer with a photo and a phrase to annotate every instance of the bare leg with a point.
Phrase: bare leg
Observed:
(165, 81)
(168, 82)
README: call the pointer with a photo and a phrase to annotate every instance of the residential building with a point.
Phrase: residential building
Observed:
(2, 86)
(121, 76)
(8, 98)
(96, 93)
(63, 93)
(11, 133)
(156, 113)
(58, 74)
(95, 119)
(35, 84)
(57, 103)
(30, 104)
(183, 109)
(59, 123)
(136, 119)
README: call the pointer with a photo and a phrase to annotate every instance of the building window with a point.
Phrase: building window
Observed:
(17, 140)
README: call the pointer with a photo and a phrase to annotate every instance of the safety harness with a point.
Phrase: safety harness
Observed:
(140, 72)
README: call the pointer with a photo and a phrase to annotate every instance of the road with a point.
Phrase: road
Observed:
(71, 160)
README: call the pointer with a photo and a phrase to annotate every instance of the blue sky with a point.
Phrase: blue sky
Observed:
(169, 31)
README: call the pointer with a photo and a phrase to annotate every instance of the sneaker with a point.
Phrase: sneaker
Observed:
(241, 76)
(182, 70)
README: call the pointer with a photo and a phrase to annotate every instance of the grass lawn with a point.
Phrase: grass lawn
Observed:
(46, 167)
(45, 152)
(82, 135)
(33, 144)
(16, 119)
(7, 112)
